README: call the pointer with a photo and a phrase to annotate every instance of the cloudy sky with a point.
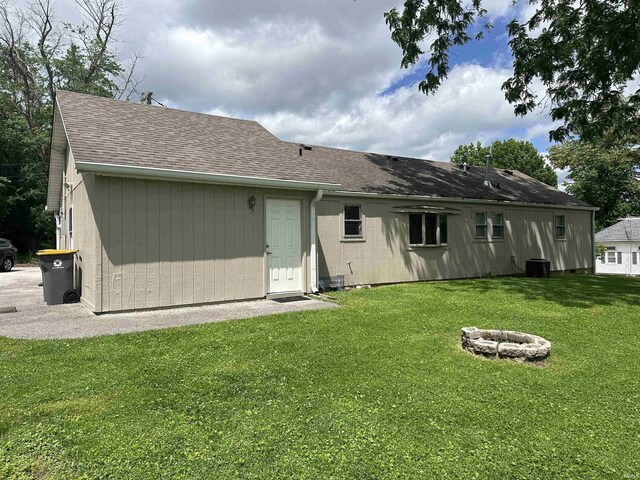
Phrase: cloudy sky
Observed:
(323, 72)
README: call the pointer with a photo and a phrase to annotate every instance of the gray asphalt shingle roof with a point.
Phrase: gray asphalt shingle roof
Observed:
(626, 230)
(115, 132)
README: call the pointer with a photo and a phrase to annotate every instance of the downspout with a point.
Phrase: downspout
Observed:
(313, 254)
(56, 215)
(593, 242)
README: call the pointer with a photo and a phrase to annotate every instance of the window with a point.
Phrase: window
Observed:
(634, 258)
(611, 254)
(481, 224)
(619, 258)
(415, 229)
(427, 229)
(353, 221)
(560, 226)
(443, 230)
(497, 225)
(70, 224)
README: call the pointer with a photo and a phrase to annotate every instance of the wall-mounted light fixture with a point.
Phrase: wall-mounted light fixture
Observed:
(252, 201)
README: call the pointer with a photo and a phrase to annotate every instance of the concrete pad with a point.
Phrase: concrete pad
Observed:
(35, 319)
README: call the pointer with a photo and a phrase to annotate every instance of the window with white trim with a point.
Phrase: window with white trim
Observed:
(619, 258)
(352, 221)
(634, 258)
(560, 226)
(611, 255)
(428, 229)
(481, 224)
(497, 225)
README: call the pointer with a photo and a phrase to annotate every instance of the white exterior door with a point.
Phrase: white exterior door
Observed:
(284, 253)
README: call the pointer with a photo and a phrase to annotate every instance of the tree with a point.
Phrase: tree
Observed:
(511, 154)
(604, 176)
(39, 54)
(585, 54)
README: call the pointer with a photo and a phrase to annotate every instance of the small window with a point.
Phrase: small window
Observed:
(611, 254)
(497, 225)
(560, 226)
(70, 226)
(427, 229)
(353, 221)
(481, 224)
(634, 258)
(619, 258)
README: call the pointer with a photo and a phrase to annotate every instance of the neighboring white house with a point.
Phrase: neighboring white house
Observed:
(622, 241)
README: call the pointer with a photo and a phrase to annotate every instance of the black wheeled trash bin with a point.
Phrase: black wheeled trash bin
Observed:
(57, 276)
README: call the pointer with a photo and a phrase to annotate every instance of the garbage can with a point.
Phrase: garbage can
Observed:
(57, 276)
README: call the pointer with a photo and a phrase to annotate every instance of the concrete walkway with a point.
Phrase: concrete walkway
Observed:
(36, 320)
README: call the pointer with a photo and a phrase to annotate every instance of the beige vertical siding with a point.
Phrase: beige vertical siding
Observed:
(384, 255)
(80, 195)
(173, 243)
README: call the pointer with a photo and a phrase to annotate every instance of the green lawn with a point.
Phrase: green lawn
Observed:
(376, 389)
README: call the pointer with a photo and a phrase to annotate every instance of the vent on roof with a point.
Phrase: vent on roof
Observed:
(303, 147)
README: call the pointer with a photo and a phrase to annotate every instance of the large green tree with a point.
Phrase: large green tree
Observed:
(585, 54)
(511, 154)
(604, 176)
(39, 54)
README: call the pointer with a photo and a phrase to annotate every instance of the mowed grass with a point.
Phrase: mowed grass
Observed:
(376, 389)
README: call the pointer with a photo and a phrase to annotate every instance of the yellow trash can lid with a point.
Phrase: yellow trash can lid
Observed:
(53, 251)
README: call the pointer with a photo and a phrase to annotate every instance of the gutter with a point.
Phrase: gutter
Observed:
(392, 196)
(313, 254)
(154, 173)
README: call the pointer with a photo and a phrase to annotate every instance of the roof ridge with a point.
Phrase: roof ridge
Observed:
(367, 153)
(159, 107)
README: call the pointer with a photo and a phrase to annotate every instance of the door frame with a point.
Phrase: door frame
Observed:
(303, 270)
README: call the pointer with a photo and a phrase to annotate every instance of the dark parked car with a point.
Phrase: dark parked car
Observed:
(7, 255)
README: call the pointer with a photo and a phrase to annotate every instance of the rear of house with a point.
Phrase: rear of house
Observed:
(172, 208)
(621, 243)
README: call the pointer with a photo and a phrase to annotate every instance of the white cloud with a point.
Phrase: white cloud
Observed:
(267, 67)
(468, 107)
(498, 8)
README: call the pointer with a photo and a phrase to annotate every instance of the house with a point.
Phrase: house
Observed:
(622, 243)
(169, 207)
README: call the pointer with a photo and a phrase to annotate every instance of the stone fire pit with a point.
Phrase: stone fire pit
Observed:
(505, 344)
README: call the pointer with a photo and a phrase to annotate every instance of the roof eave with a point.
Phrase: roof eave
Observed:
(56, 160)
(153, 173)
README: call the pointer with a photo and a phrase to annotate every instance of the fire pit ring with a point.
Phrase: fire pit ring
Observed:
(505, 344)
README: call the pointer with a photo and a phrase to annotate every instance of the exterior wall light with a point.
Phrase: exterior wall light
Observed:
(252, 201)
